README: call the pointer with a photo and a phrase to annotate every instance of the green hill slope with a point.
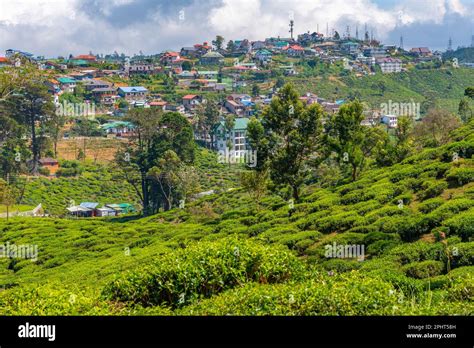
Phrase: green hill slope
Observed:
(225, 255)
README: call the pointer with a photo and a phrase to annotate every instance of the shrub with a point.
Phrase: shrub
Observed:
(340, 265)
(381, 246)
(418, 251)
(202, 270)
(425, 269)
(68, 172)
(432, 189)
(462, 254)
(462, 289)
(44, 171)
(461, 224)
(461, 176)
(349, 294)
(430, 204)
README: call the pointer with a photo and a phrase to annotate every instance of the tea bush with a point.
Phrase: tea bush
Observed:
(202, 270)
(424, 269)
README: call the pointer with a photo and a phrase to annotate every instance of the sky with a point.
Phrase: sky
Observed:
(62, 27)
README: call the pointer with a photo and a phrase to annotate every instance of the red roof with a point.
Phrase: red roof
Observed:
(3, 60)
(158, 103)
(296, 48)
(171, 54)
(189, 96)
(86, 57)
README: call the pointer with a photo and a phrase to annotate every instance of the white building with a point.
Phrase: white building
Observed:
(390, 65)
(390, 120)
(237, 137)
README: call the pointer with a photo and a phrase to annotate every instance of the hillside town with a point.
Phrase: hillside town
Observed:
(181, 80)
(211, 82)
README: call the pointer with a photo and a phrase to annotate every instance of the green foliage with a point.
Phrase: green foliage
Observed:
(425, 269)
(202, 270)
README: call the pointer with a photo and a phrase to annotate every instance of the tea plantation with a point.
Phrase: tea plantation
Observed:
(225, 255)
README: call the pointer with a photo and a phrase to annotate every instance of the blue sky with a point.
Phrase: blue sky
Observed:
(61, 27)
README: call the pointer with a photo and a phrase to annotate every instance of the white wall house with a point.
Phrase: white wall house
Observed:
(390, 120)
(237, 136)
(390, 65)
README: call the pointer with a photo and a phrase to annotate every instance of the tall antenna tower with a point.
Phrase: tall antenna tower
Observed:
(292, 24)
(472, 41)
(327, 29)
(348, 32)
(450, 44)
(401, 42)
(357, 32)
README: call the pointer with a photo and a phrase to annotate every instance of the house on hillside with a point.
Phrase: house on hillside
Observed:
(376, 52)
(141, 69)
(118, 128)
(85, 209)
(158, 105)
(4, 61)
(90, 84)
(264, 56)
(67, 84)
(49, 163)
(421, 52)
(390, 65)
(168, 58)
(86, 57)
(133, 94)
(390, 120)
(190, 101)
(212, 58)
(294, 51)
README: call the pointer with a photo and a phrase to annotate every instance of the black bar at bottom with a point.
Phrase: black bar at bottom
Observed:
(243, 331)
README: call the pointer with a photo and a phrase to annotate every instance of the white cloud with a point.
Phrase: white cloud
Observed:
(54, 27)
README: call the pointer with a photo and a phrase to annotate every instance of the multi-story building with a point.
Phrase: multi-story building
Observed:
(236, 137)
(390, 65)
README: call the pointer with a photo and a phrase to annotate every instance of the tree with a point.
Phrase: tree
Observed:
(165, 174)
(469, 92)
(351, 141)
(293, 134)
(33, 108)
(56, 124)
(280, 82)
(8, 196)
(254, 182)
(255, 90)
(229, 124)
(337, 36)
(155, 134)
(464, 110)
(403, 134)
(434, 129)
(230, 46)
(218, 42)
(207, 115)
(187, 65)
(175, 179)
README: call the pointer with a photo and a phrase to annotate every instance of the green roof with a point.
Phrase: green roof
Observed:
(213, 54)
(66, 80)
(240, 123)
(116, 124)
